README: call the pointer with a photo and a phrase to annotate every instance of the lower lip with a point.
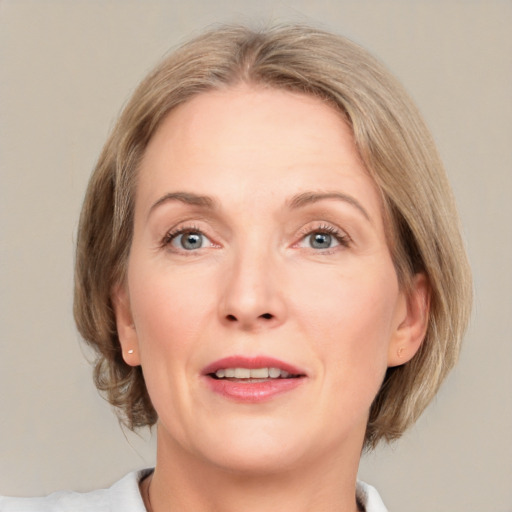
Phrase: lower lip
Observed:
(253, 392)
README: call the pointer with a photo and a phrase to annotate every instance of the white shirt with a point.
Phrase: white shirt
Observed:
(124, 496)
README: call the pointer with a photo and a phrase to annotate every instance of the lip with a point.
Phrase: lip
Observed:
(255, 391)
(251, 363)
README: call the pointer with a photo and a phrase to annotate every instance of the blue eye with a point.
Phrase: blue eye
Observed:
(321, 240)
(188, 240)
(324, 238)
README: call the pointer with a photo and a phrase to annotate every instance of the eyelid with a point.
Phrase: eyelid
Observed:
(181, 228)
(341, 235)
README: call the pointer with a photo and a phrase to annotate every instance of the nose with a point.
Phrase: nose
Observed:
(253, 293)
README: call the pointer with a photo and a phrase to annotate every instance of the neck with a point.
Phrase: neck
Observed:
(182, 482)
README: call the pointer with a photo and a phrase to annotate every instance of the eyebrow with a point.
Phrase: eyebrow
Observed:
(305, 198)
(186, 198)
(297, 201)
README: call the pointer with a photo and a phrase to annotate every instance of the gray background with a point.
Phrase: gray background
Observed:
(67, 67)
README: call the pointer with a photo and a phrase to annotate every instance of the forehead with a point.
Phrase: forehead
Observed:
(248, 141)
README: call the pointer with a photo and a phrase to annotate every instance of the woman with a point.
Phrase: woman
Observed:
(270, 269)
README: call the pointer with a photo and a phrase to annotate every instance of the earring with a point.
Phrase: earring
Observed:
(130, 351)
(399, 351)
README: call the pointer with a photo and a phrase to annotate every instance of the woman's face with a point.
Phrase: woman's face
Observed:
(264, 301)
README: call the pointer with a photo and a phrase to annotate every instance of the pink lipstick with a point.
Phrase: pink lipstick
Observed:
(252, 379)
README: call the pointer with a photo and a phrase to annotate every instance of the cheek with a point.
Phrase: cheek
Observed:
(170, 309)
(170, 316)
(352, 319)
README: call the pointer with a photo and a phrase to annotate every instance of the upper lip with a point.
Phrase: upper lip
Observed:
(251, 363)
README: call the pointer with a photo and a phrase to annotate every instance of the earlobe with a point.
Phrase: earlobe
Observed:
(412, 327)
(126, 330)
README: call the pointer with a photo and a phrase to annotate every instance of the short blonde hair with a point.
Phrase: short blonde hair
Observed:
(394, 144)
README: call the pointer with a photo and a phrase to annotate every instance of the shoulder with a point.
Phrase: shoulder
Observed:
(369, 498)
(123, 496)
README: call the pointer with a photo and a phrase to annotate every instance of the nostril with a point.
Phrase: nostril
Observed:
(264, 316)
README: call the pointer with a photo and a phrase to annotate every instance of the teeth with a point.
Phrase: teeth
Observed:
(274, 373)
(259, 373)
(253, 373)
(242, 373)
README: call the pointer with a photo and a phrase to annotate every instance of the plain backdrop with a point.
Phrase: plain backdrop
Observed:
(66, 69)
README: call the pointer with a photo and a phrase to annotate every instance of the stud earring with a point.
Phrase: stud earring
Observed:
(130, 351)
(399, 351)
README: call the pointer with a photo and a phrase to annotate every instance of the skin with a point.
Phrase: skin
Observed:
(257, 286)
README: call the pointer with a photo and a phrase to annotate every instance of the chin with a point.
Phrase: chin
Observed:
(249, 447)
(256, 458)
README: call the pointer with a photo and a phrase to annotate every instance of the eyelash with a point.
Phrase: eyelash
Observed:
(171, 235)
(341, 237)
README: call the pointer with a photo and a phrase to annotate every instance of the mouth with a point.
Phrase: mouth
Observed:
(252, 374)
(252, 379)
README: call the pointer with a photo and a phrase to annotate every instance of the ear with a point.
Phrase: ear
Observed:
(412, 322)
(125, 327)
